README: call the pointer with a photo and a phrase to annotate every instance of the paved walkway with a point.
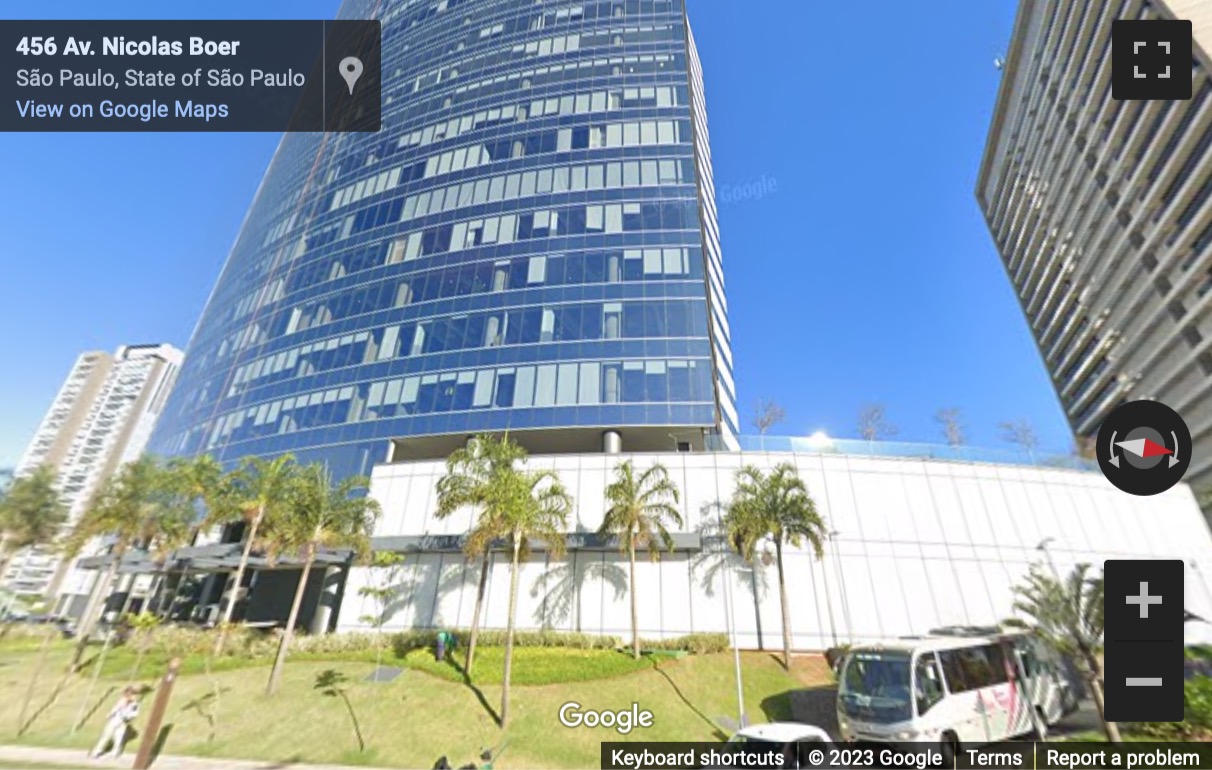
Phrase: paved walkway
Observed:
(74, 758)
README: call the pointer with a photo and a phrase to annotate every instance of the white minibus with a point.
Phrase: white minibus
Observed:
(952, 690)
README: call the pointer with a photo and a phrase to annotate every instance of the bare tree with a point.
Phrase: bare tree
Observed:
(952, 425)
(1021, 434)
(1083, 448)
(873, 423)
(766, 414)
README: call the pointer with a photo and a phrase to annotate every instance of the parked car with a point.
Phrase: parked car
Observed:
(793, 739)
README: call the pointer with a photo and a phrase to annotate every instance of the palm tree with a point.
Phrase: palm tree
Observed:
(1069, 615)
(135, 508)
(383, 570)
(320, 516)
(639, 509)
(31, 513)
(203, 484)
(775, 506)
(533, 504)
(470, 472)
(257, 491)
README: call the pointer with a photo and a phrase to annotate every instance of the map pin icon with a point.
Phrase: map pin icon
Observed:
(351, 70)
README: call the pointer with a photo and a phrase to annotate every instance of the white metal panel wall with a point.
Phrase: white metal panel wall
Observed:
(920, 544)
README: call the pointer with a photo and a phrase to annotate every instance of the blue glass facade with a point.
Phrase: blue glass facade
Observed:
(529, 243)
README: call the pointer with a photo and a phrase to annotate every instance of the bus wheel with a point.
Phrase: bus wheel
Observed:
(950, 748)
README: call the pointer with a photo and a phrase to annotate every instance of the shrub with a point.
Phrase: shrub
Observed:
(405, 641)
(697, 644)
(1199, 652)
(171, 640)
(1197, 715)
(26, 634)
(337, 643)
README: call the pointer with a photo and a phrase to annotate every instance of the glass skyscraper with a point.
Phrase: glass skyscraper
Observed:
(530, 244)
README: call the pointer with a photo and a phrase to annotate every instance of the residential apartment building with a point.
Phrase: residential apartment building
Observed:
(1102, 212)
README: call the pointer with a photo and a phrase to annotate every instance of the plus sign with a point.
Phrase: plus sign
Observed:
(1144, 600)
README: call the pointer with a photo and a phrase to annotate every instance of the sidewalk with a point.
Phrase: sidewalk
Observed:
(75, 758)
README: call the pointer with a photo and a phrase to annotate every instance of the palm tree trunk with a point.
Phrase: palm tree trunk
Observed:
(6, 560)
(475, 615)
(1096, 693)
(167, 612)
(92, 608)
(155, 597)
(144, 640)
(513, 608)
(778, 554)
(88, 619)
(33, 683)
(128, 599)
(239, 579)
(275, 676)
(635, 614)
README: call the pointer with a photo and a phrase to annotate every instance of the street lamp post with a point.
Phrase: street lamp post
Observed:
(736, 650)
(829, 600)
(1043, 546)
(841, 573)
(11, 600)
(730, 621)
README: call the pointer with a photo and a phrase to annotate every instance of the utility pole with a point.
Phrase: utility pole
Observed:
(1043, 546)
(730, 620)
(151, 733)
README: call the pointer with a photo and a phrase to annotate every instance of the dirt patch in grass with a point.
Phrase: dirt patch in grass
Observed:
(812, 670)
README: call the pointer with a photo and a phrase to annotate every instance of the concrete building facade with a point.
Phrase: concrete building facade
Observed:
(100, 419)
(1102, 212)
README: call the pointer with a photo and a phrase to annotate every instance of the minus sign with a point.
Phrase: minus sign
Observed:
(1144, 681)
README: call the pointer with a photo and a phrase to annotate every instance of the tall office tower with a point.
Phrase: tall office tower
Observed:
(1102, 212)
(101, 418)
(529, 245)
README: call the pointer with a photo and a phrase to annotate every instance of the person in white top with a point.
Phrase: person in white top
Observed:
(120, 717)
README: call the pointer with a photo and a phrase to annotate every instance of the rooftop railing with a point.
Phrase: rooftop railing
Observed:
(824, 445)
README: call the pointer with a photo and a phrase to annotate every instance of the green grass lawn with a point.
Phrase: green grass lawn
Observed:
(425, 713)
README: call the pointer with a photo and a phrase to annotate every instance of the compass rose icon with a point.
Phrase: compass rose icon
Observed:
(1143, 447)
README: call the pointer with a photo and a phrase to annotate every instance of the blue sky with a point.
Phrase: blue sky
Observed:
(863, 273)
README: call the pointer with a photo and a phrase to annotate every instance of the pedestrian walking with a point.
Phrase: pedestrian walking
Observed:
(120, 717)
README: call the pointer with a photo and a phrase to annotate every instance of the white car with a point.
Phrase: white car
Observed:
(793, 739)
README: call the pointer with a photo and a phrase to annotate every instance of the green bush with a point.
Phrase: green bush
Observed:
(23, 635)
(405, 641)
(257, 644)
(697, 644)
(338, 644)
(186, 640)
(1197, 715)
(1199, 652)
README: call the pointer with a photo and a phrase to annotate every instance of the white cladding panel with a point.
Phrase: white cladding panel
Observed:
(919, 544)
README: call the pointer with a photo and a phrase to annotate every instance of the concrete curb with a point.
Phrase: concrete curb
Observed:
(75, 758)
